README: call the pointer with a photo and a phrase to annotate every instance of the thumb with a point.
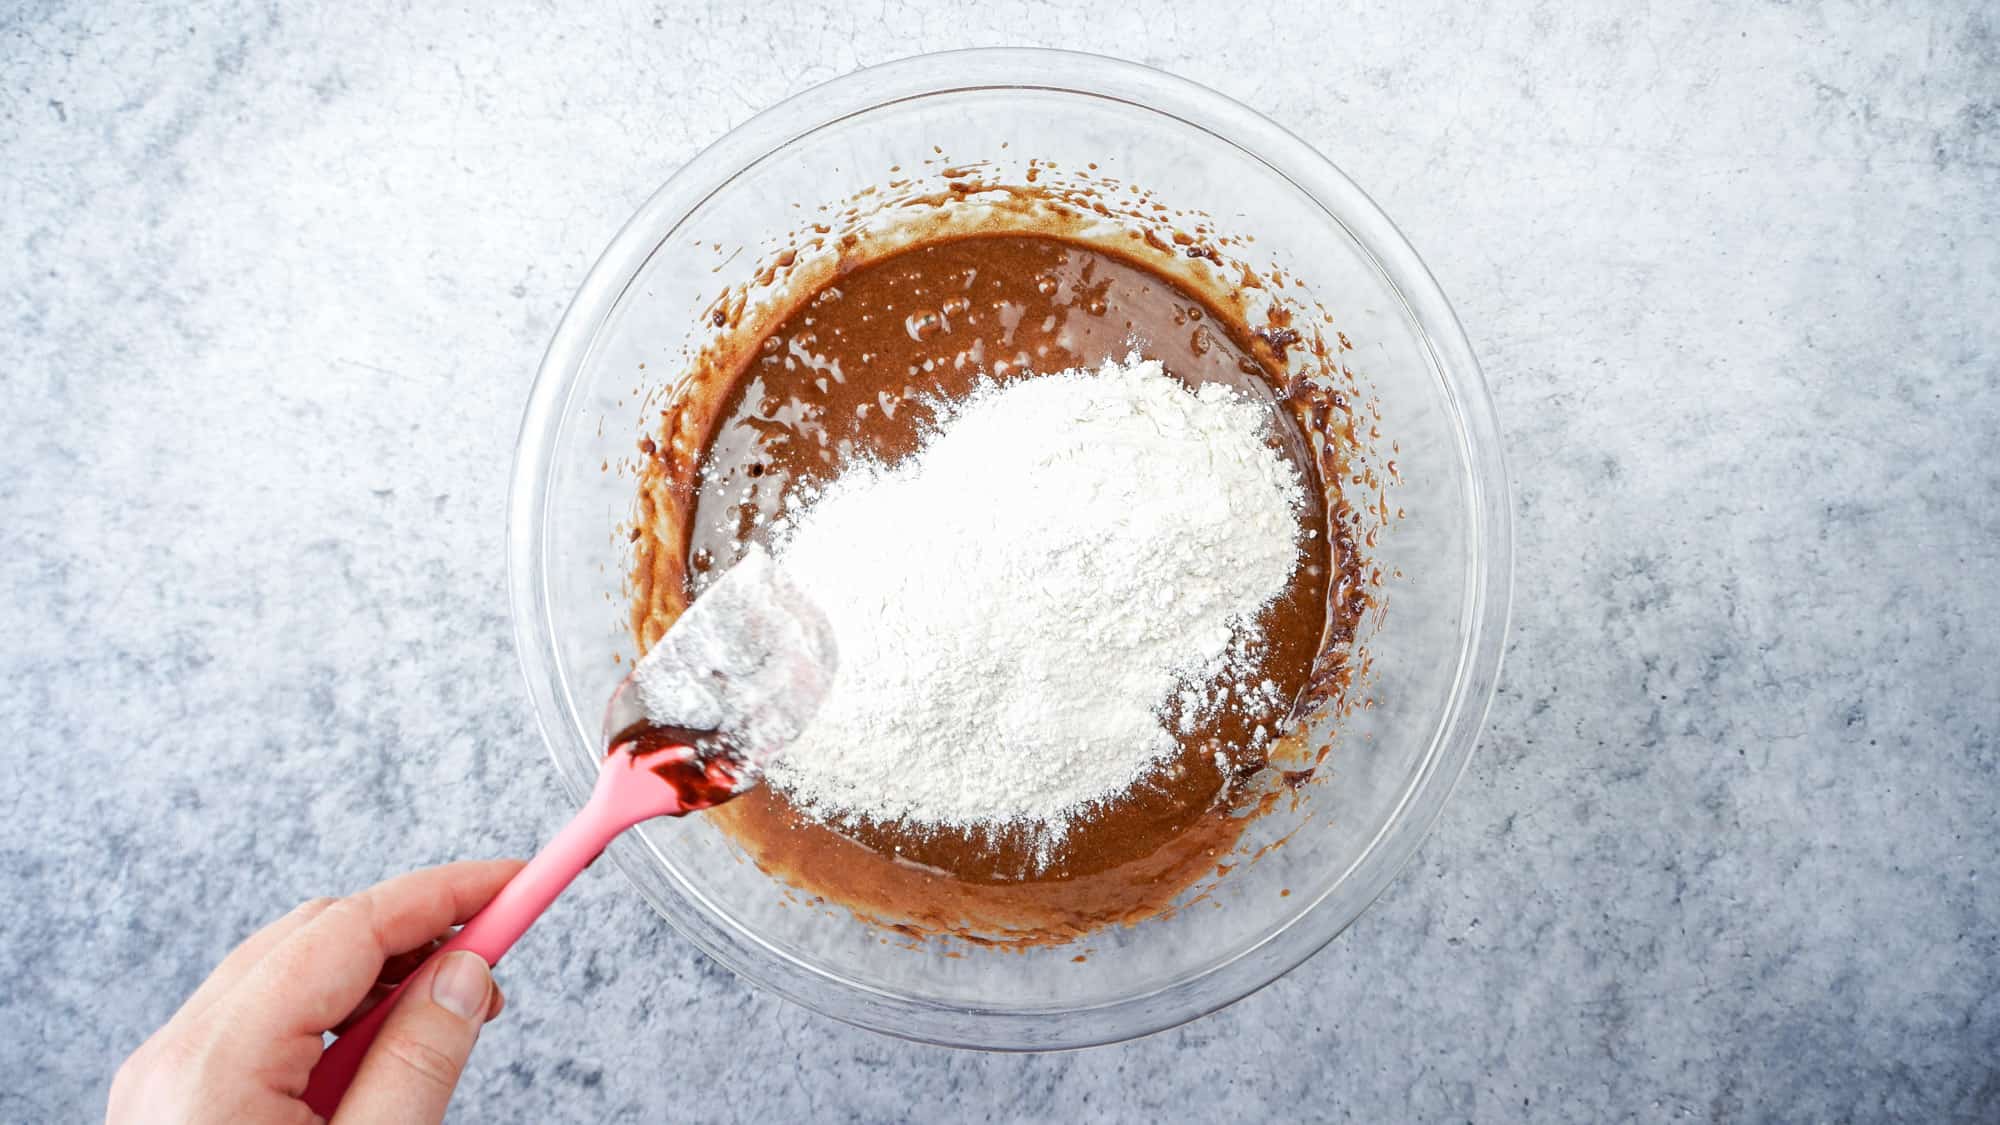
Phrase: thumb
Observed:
(410, 1070)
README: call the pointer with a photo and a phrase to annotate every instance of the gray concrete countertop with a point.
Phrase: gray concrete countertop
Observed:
(275, 282)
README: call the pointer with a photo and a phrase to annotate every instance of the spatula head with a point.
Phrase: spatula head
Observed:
(750, 660)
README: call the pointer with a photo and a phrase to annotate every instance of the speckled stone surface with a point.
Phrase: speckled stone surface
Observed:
(275, 280)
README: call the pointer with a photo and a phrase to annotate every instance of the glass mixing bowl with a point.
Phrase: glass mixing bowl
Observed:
(1433, 655)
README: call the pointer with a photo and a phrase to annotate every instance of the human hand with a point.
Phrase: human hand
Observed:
(242, 1046)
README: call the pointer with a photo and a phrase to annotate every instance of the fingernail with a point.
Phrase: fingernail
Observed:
(462, 984)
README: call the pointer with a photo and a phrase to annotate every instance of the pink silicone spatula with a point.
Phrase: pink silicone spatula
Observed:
(730, 685)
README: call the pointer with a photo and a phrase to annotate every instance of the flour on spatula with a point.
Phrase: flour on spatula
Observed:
(1021, 604)
(751, 660)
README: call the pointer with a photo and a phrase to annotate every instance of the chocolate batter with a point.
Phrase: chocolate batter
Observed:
(854, 371)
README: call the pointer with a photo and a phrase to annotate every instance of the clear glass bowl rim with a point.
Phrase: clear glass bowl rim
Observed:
(1487, 593)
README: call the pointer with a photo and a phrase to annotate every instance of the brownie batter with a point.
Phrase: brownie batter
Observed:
(856, 370)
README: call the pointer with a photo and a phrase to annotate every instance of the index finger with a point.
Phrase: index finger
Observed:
(222, 980)
(316, 975)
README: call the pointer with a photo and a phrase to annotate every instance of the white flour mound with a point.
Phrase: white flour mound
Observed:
(1018, 604)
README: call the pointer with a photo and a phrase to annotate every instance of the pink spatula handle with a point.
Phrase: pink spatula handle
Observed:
(625, 795)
